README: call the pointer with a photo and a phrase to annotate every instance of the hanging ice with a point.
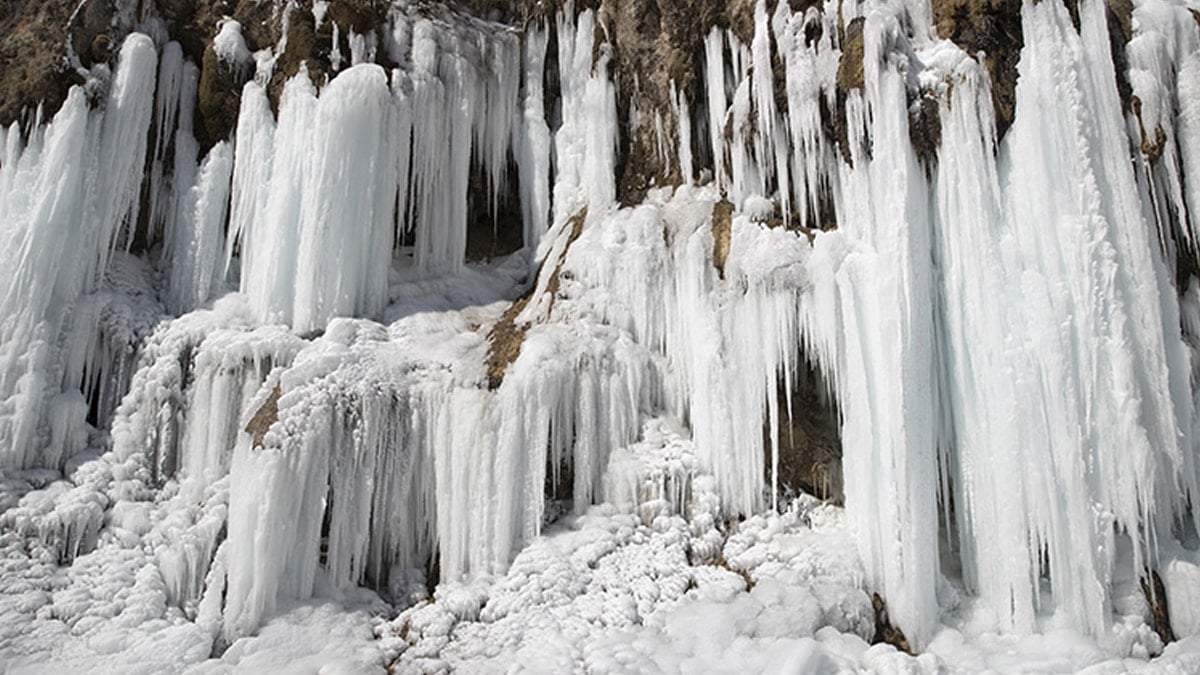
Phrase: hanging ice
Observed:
(67, 198)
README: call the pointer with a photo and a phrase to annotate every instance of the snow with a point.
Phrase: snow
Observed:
(230, 46)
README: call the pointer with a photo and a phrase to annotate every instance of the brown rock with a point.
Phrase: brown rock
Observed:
(33, 63)
(722, 232)
(218, 99)
(810, 445)
(267, 415)
(508, 334)
(992, 27)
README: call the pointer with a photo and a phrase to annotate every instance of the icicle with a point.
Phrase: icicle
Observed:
(1104, 397)
(684, 120)
(874, 292)
(345, 233)
(714, 69)
(253, 157)
(66, 199)
(270, 243)
(811, 71)
(534, 157)
(585, 144)
(197, 245)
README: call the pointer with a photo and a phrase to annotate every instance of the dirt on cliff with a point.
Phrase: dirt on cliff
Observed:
(33, 57)
(992, 27)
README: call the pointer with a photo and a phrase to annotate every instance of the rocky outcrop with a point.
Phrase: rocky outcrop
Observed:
(655, 47)
(810, 446)
(34, 67)
(992, 27)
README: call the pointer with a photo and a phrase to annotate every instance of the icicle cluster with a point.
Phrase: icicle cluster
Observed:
(68, 195)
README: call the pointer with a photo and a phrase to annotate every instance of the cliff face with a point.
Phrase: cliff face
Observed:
(342, 294)
(33, 57)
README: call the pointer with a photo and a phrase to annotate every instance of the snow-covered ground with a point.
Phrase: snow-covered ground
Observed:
(656, 585)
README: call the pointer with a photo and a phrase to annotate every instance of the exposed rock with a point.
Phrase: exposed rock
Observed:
(267, 415)
(722, 232)
(994, 28)
(925, 128)
(810, 445)
(656, 43)
(301, 48)
(849, 77)
(1120, 32)
(739, 18)
(33, 57)
(885, 631)
(850, 67)
(498, 231)
(218, 99)
(508, 334)
(1155, 594)
(505, 341)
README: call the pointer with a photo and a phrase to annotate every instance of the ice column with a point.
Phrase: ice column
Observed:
(66, 199)
(875, 292)
(1091, 439)
(320, 246)
(585, 144)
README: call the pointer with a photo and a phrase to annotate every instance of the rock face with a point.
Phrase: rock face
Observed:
(810, 446)
(992, 27)
(33, 56)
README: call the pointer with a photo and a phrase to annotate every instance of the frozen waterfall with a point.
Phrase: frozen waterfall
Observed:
(281, 341)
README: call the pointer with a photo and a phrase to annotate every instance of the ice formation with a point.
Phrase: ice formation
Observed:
(273, 363)
(66, 197)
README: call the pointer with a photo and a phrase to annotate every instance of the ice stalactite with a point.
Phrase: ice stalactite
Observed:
(534, 149)
(1104, 447)
(339, 275)
(68, 197)
(184, 407)
(174, 110)
(585, 143)
(465, 87)
(254, 156)
(1165, 41)
(309, 270)
(298, 263)
(810, 67)
(454, 472)
(1045, 364)
(196, 241)
(723, 335)
(876, 320)
(765, 145)
(441, 150)
(998, 316)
